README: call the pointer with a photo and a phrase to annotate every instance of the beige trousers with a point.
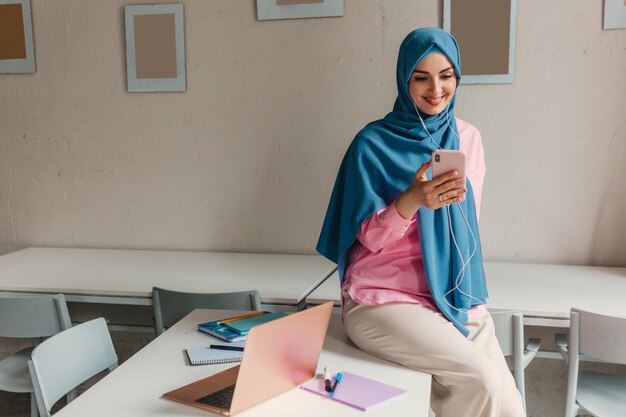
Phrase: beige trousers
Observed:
(470, 375)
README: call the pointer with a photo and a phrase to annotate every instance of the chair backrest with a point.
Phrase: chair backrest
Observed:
(24, 315)
(599, 336)
(62, 362)
(171, 306)
(509, 328)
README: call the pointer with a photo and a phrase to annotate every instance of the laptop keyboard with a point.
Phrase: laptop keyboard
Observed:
(220, 399)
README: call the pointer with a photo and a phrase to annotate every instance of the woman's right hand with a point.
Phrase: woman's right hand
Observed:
(441, 191)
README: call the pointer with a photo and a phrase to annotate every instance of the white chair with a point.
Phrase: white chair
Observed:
(599, 337)
(28, 316)
(69, 358)
(509, 327)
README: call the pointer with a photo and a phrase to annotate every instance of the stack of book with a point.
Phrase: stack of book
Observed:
(235, 329)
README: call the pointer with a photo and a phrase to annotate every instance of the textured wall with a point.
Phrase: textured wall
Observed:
(246, 158)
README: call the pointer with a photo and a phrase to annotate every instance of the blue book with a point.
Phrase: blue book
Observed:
(243, 326)
(221, 332)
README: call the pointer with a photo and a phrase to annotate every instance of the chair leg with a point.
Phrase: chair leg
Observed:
(34, 411)
(71, 396)
(521, 385)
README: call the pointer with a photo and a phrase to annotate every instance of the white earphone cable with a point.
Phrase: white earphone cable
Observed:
(461, 275)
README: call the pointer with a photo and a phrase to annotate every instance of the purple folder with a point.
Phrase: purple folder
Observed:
(357, 391)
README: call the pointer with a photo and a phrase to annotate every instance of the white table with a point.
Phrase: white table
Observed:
(546, 293)
(543, 293)
(127, 276)
(134, 389)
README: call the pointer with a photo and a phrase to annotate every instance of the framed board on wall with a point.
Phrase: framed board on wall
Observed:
(155, 47)
(297, 9)
(614, 14)
(17, 54)
(485, 31)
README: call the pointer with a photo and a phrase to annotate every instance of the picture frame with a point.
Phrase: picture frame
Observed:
(17, 51)
(155, 48)
(614, 14)
(488, 55)
(297, 9)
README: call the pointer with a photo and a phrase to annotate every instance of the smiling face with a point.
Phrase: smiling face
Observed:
(432, 84)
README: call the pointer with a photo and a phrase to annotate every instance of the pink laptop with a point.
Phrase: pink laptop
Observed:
(279, 355)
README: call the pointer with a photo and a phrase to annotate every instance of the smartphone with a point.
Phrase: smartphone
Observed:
(448, 160)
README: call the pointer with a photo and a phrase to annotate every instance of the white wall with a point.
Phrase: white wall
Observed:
(246, 158)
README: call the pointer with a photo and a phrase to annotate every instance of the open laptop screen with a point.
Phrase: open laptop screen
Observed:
(279, 355)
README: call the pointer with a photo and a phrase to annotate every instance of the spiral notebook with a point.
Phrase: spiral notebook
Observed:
(204, 355)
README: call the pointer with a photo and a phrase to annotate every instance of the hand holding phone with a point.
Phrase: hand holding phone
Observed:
(444, 188)
(445, 161)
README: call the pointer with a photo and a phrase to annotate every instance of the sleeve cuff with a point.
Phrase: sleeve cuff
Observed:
(391, 218)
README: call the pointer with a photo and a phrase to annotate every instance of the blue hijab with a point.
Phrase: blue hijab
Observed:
(380, 164)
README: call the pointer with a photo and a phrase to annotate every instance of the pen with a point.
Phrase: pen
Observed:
(327, 386)
(337, 381)
(224, 347)
(245, 316)
(228, 320)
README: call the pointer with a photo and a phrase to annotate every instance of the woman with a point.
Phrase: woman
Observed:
(408, 249)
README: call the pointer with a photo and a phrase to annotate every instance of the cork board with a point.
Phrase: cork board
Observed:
(488, 54)
(16, 37)
(155, 48)
(297, 9)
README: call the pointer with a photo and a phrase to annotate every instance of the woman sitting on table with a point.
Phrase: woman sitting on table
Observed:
(407, 246)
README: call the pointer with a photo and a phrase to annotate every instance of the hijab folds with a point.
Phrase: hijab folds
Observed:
(381, 163)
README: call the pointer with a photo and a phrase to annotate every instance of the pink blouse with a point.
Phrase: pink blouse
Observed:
(385, 263)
